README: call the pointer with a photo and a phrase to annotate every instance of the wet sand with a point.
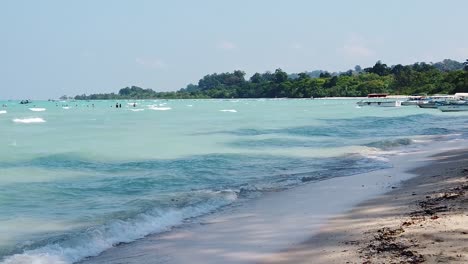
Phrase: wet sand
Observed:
(313, 223)
(425, 220)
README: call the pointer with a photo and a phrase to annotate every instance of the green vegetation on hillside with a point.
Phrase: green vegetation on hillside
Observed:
(446, 77)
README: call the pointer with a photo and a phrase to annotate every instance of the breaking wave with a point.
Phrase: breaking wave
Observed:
(74, 247)
(29, 120)
(37, 109)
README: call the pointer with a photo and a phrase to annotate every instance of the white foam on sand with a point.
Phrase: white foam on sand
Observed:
(229, 110)
(37, 109)
(3, 112)
(29, 120)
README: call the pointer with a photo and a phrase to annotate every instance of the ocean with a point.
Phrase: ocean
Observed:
(79, 177)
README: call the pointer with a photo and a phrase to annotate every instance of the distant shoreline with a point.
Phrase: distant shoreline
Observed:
(263, 98)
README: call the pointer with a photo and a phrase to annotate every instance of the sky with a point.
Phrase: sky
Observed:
(53, 48)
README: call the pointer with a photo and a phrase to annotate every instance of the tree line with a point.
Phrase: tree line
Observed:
(446, 77)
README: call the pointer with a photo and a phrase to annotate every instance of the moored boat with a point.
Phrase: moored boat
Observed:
(380, 103)
(413, 100)
(454, 106)
(428, 104)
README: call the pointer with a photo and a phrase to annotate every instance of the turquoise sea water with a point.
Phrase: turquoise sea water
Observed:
(76, 179)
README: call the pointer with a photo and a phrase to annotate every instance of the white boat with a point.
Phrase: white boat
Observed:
(428, 104)
(457, 106)
(380, 103)
(413, 100)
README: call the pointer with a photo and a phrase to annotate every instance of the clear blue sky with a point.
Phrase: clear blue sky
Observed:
(51, 48)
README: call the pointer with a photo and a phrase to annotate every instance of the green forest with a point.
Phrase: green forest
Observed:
(446, 77)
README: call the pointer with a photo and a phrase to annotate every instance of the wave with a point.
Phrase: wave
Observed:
(3, 112)
(29, 120)
(66, 107)
(229, 110)
(93, 241)
(385, 144)
(156, 108)
(137, 110)
(37, 109)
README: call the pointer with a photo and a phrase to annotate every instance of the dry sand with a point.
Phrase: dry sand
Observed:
(425, 220)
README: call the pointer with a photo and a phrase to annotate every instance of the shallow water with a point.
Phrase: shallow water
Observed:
(77, 179)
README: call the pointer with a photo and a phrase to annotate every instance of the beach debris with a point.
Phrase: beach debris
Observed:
(385, 242)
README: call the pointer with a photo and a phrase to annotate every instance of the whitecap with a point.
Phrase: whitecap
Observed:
(3, 111)
(97, 239)
(229, 110)
(29, 120)
(160, 108)
(37, 109)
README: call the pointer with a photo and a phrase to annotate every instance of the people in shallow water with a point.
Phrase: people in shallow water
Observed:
(120, 105)
(134, 104)
(116, 105)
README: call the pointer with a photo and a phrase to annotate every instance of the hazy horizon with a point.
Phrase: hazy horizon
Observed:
(53, 48)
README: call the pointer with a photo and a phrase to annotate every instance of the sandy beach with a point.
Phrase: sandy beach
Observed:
(409, 219)
(425, 220)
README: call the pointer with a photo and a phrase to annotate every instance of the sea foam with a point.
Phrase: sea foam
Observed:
(93, 241)
(29, 120)
(159, 108)
(37, 109)
(229, 110)
(3, 112)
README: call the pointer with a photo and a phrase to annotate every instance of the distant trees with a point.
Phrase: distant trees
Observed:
(379, 69)
(447, 76)
(448, 65)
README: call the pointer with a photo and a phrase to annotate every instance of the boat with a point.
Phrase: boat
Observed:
(428, 104)
(453, 106)
(413, 101)
(379, 103)
(377, 95)
(435, 100)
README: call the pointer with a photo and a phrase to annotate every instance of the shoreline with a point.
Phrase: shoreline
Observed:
(423, 221)
(272, 226)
